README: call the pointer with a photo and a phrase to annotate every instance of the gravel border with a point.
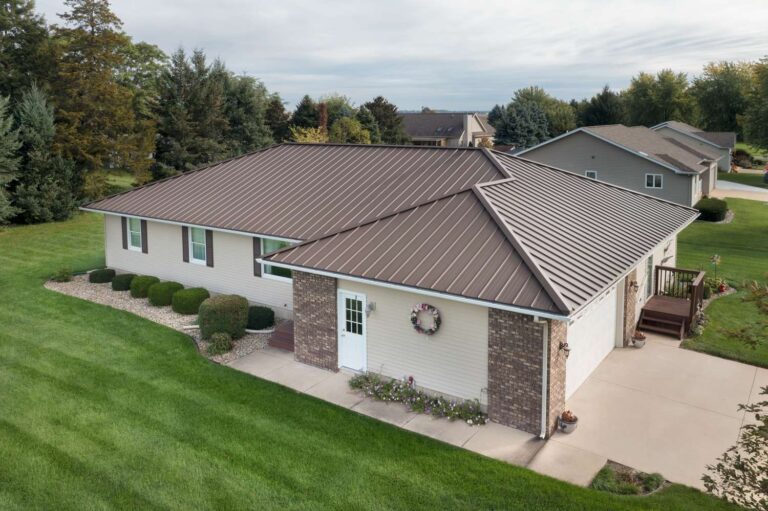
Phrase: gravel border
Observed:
(729, 215)
(103, 294)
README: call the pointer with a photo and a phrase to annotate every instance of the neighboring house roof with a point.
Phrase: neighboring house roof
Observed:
(487, 125)
(298, 191)
(434, 124)
(648, 144)
(721, 139)
(543, 239)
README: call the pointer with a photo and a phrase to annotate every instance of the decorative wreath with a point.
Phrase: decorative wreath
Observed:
(425, 307)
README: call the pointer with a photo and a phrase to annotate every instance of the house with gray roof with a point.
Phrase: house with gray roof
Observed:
(448, 129)
(481, 275)
(720, 142)
(637, 158)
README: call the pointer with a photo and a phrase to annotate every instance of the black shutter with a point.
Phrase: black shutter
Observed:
(209, 248)
(185, 243)
(144, 247)
(124, 223)
(256, 255)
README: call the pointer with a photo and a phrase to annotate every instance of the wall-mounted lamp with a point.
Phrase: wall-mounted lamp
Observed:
(634, 285)
(564, 347)
(370, 307)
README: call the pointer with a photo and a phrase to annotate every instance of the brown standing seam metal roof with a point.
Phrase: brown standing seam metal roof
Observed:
(723, 139)
(300, 191)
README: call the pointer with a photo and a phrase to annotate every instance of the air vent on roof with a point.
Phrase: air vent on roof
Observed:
(644, 154)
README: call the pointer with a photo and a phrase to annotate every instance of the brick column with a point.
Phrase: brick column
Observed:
(515, 358)
(630, 306)
(315, 338)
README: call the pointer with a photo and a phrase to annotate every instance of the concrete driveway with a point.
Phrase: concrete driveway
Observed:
(662, 409)
(725, 189)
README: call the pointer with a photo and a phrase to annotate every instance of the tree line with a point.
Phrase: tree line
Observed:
(726, 96)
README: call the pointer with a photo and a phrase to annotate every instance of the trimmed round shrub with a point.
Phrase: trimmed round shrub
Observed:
(187, 301)
(220, 343)
(712, 210)
(122, 282)
(223, 313)
(160, 294)
(140, 285)
(101, 276)
(260, 317)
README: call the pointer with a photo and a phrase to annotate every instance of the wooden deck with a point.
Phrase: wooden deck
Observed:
(666, 315)
(669, 306)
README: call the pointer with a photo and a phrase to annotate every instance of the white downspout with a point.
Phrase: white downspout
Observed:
(544, 375)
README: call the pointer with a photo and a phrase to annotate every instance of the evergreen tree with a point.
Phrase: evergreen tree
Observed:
(606, 107)
(521, 123)
(348, 130)
(561, 116)
(245, 109)
(45, 188)
(338, 106)
(9, 161)
(389, 121)
(277, 119)
(369, 124)
(26, 53)
(306, 114)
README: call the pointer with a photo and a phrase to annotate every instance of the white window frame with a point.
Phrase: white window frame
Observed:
(588, 172)
(129, 231)
(264, 273)
(192, 258)
(661, 181)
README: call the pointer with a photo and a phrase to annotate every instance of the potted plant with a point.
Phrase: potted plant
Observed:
(568, 422)
(638, 339)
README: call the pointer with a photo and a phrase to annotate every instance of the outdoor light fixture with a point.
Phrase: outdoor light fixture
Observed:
(370, 307)
(634, 285)
(564, 347)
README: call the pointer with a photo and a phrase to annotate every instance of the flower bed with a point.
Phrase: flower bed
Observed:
(404, 391)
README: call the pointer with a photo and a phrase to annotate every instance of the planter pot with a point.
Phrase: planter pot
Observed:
(568, 427)
(639, 343)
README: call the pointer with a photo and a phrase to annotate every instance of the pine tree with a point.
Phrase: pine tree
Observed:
(9, 161)
(389, 121)
(306, 114)
(368, 122)
(277, 119)
(245, 109)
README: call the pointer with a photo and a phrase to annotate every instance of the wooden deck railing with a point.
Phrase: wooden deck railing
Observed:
(680, 283)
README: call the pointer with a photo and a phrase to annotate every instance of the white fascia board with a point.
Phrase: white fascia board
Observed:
(418, 291)
(171, 222)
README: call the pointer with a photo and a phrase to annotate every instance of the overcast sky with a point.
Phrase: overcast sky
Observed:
(448, 54)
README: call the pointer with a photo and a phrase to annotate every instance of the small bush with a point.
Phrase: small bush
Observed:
(187, 301)
(712, 210)
(220, 343)
(612, 481)
(161, 293)
(651, 482)
(62, 275)
(101, 276)
(223, 313)
(140, 285)
(122, 282)
(260, 317)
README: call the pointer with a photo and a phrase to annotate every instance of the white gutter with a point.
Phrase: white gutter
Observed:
(419, 291)
(228, 231)
(544, 377)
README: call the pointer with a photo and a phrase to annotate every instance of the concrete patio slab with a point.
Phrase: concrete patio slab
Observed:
(393, 413)
(262, 362)
(451, 432)
(298, 376)
(335, 389)
(506, 444)
(567, 463)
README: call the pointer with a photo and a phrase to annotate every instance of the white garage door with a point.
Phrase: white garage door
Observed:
(590, 337)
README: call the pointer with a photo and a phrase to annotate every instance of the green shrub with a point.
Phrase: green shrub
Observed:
(140, 285)
(63, 274)
(223, 313)
(220, 343)
(612, 481)
(187, 301)
(122, 282)
(712, 210)
(161, 293)
(260, 317)
(101, 276)
(651, 482)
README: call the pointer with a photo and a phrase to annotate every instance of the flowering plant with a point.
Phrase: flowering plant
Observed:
(416, 310)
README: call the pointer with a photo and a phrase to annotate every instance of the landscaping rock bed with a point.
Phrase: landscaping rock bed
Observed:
(623, 480)
(103, 294)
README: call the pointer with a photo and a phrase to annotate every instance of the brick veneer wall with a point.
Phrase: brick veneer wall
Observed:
(514, 370)
(314, 320)
(630, 306)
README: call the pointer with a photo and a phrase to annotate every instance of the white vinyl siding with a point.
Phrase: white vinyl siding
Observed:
(654, 181)
(233, 272)
(197, 248)
(134, 234)
(452, 362)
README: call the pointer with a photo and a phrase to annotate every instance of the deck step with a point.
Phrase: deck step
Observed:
(282, 337)
(666, 321)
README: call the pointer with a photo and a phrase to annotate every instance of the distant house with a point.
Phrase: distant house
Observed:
(722, 142)
(452, 129)
(637, 158)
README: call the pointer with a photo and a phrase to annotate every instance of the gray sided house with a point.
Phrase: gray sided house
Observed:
(721, 143)
(636, 158)
(537, 273)
(448, 129)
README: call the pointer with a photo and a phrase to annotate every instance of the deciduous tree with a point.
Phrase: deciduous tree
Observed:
(756, 117)
(654, 99)
(606, 107)
(722, 95)
(348, 130)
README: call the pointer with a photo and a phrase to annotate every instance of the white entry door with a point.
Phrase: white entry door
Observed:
(352, 330)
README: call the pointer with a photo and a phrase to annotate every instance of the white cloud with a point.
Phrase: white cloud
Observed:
(449, 54)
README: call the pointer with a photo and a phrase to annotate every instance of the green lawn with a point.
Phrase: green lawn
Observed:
(102, 409)
(743, 248)
(745, 179)
(120, 180)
